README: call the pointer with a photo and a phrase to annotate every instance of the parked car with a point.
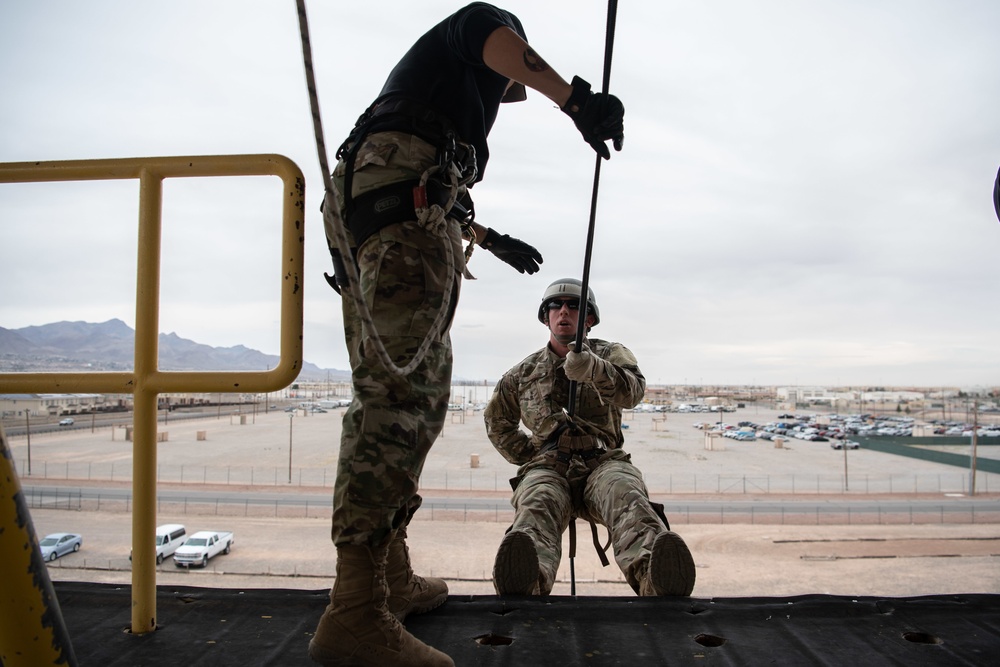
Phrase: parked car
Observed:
(59, 544)
(202, 546)
(169, 537)
(68, 421)
(842, 444)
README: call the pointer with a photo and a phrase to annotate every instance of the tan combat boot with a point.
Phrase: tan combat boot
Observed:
(409, 593)
(357, 630)
(515, 570)
(670, 569)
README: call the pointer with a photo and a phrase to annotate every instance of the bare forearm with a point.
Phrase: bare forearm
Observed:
(507, 54)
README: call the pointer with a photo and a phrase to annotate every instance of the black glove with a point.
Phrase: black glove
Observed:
(598, 116)
(339, 278)
(515, 252)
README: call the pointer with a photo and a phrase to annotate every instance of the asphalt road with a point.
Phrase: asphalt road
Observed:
(964, 505)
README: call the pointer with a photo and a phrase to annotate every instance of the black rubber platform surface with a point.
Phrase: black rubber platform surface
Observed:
(207, 626)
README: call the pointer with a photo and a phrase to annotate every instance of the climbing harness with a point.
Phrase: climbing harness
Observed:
(585, 447)
(454, 158)
(590, 450)
(451, 172)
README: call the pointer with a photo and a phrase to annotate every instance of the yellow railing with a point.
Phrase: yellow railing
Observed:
(147, 381)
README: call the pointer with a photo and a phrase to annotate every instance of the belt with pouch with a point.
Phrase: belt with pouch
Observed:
(398, 202)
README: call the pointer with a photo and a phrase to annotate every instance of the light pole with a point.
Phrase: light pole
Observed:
(27, 425)
(975, 441)
(291, 420)
(846, 485)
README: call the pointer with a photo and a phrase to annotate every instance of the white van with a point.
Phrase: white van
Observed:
(169, 536)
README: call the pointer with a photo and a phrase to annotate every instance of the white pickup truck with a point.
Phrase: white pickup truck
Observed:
(202, 546)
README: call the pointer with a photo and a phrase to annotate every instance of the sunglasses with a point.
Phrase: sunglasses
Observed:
(572, 304)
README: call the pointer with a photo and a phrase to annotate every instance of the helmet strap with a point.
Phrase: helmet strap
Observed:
(565, 340)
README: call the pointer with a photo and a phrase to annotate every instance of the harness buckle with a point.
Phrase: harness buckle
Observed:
(588, 448)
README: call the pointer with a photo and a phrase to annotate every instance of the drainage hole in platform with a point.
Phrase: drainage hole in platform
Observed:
(709, 640)
(504, 612)
(921, 638)
(491, 639)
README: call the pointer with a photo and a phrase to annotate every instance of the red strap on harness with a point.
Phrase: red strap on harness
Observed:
(419, 197)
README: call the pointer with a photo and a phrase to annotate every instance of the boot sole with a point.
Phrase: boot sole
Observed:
(671, 567)
(515, 571)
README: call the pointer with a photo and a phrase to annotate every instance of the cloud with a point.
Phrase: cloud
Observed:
(804, 194)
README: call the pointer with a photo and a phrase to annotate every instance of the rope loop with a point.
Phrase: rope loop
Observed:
(433, 218)
(333, 220)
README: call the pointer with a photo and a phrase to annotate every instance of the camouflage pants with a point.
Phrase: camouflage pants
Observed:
(393, 421)
(613, 495)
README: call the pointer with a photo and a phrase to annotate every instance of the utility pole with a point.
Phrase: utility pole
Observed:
(975, 442)
(291, 420)
(27, 426)
(846, 485)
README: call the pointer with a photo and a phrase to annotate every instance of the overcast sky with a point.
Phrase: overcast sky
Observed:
(804, 196)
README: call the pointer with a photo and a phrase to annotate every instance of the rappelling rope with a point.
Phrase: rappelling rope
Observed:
(432, 218)
(581, 325)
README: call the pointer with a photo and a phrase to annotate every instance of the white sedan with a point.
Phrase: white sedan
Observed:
(841, 444)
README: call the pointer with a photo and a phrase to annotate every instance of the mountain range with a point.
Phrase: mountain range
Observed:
(110, 346)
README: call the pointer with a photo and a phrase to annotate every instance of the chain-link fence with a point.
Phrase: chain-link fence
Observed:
(793, 512)
(481, 479)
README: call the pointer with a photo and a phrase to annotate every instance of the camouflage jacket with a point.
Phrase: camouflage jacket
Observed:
(536, 391)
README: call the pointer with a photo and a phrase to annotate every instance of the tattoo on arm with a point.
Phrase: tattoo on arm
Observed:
(533, 61)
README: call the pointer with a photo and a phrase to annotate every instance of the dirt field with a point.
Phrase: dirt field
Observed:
(671, 454)
(733, 560)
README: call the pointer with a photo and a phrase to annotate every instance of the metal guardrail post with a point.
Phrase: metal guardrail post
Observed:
(32, 631)
(147, 382)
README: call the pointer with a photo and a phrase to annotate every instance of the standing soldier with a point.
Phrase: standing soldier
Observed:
(402, 178)
(577, 467)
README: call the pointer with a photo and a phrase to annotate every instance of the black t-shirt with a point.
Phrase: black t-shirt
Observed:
(444, 71)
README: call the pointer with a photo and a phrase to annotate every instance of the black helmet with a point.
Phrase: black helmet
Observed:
(568, 287)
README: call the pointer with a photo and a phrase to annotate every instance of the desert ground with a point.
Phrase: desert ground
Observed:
(737, 554)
